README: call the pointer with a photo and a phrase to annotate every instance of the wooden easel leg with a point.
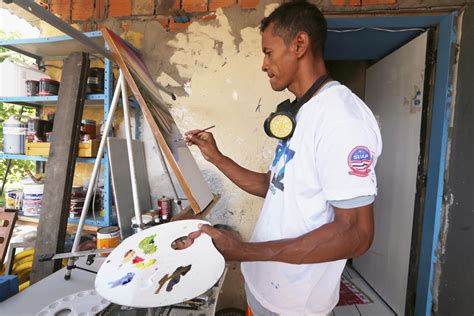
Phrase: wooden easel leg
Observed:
(62, 160)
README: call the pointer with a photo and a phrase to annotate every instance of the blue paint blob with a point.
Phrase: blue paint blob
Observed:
(123, 280)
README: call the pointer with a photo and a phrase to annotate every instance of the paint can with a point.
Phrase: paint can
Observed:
(78, 197)
(37, 129)
(108, 237)
(48, 87)
(12, 199)
(32, 87)
(95, 80)
(88, 127)
(13, 196)
(32, 199)
(164, 204)
(147, 220)
(14, 136)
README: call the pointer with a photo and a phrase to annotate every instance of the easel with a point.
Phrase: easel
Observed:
(120, 89)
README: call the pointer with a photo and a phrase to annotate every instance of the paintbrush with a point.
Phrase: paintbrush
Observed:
(200, 131)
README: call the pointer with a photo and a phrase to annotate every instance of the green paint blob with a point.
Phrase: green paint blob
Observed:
(148, 244)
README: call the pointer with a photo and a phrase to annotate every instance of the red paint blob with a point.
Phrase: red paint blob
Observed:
(137, 259)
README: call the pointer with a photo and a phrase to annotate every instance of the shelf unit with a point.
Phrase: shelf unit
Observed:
(40, 101)
(54, 48)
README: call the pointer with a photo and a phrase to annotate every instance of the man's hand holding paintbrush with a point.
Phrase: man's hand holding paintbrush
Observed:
(206, 143)
(255, 183)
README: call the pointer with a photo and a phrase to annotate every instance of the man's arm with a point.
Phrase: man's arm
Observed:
(349, 235)
(252, 182)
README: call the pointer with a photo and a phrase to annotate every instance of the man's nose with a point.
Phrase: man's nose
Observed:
(264, 64)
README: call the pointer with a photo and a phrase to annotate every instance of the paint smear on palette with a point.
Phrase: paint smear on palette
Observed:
(123, 280)
(137, 259)
(142, 265)
(173, 278)
(148, 245)
(128, 256)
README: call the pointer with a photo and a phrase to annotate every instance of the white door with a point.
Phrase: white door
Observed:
(394, 92)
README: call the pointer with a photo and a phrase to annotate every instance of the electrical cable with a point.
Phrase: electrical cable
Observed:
(355, 305)
(44, 66)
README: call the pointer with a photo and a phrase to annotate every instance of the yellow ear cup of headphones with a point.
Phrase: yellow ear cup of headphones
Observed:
(281, 125)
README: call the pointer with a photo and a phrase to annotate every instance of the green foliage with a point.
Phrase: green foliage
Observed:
(6, 53)
(17, 167)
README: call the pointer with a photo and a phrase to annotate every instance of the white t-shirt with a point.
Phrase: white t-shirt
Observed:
(330, 157)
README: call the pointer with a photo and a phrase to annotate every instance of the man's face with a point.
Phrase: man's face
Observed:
(280, 60)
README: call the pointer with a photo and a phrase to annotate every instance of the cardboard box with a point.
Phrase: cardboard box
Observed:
(86, 149)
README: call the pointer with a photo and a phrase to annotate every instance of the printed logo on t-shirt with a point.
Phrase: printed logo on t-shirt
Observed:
(359, 161)
(282, 150)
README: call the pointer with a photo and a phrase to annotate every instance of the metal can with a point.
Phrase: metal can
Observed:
(108, 237)
(89, 127)
(164, 204)
(48, 87)
(32, 87)
(147, 221)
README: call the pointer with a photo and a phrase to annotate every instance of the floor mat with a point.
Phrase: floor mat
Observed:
(350, 294)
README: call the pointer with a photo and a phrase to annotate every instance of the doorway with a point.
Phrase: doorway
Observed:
(389, 63)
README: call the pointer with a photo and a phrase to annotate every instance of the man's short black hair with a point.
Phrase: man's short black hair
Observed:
(296, 16)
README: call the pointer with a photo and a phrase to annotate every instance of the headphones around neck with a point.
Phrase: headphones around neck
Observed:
(281, 124)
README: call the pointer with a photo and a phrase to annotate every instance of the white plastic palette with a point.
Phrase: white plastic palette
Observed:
(133, 272)
(83, 303)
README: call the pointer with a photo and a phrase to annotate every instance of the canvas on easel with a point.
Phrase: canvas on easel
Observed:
(161, 122)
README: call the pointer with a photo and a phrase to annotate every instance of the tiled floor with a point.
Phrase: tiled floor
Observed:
(377, 308)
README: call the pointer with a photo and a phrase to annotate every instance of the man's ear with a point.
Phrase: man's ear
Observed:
(302, 43)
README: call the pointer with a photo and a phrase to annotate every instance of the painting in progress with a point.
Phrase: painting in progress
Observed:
(146, 271)
(161, 122)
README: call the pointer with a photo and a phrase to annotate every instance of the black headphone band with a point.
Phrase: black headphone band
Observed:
(297, 104)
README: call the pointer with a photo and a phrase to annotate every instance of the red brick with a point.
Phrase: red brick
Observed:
(175, 27)
(82, 10)
(375, 2)
(62, 8)
(248, 4)
(195, 5)
(164, 21)
(120, 7)
(143, 7)
(216, 4)
(168, 7)
(99, 10)
(346, 2)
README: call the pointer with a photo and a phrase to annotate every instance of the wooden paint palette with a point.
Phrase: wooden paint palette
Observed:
(145, 271)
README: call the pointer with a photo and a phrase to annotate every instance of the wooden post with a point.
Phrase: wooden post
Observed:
(61, 163)
(7, 224)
